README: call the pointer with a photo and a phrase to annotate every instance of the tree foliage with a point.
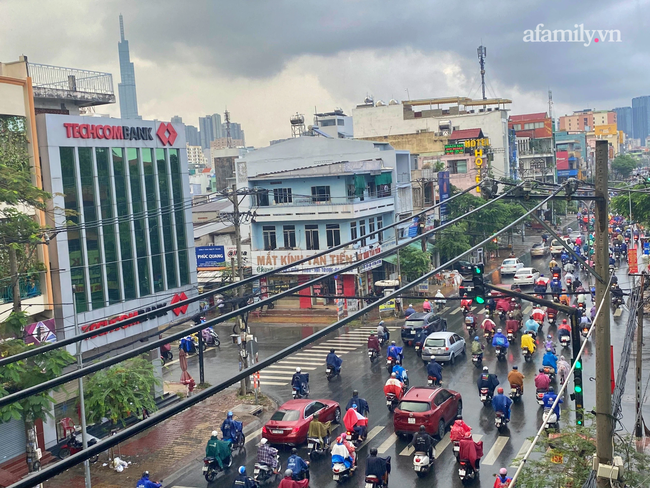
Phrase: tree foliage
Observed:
(120, 391)
(640, 205)
(452, 241)
(413, 262)
(624, 164)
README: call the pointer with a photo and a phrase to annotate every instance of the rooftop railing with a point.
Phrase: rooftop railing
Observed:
(56, 81)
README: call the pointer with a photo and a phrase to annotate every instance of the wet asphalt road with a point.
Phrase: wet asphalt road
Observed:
(500, 449)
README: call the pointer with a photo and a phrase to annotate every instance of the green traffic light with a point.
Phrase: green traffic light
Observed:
(477, 269)
(578, 364)
(579, 422)
(578, 388)
(480, 300)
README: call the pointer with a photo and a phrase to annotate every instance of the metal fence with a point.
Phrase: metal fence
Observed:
(70, 79)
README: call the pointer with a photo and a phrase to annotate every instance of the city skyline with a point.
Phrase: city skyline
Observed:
(127, 92)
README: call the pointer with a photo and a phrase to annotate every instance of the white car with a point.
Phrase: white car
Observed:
(557, 248)
(539, 250)
(526, 276)
(510, 266)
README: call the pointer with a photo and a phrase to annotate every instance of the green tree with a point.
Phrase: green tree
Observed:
(624, 164)
(452, 241)
(413, 262)
(640, 203)
(121, 391)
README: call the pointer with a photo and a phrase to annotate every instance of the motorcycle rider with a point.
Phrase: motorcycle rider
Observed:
(556, 286)
(568, 281)
(333, 361)
(395, 352)
(319, 430)
(382, 331)
(477, 347)
(289, 482)
(466, 303)
(540, 286)
(563, 329)
(542, 381)
(487, 380)
(503, 480)
(528, 342)
(502, 403)
(564, 298)
(400, 372)
(145, 482)
(550, 311)
(440, 300)
(470, 451)
(243, 480)
(488, 325)
(516, 379)
(512, 325)
(434, 370)
(394, 386)
(569, 267)
(552, 264)
(300, 381)
(423, 442)
(230, 428)
(426, 306)
(531, 326)
(378, 466)
(491, 304)
(500, 340)
(549, 399)
(616, 292)
(550, 360)
(268, 455)
(549, 345)
(341, 453)
(355, 422)
(361, 403)
(298, 465)
(409, 311)
(373, 343)
(470, 320)
(538, 315)
(563, 368)
(217, 449)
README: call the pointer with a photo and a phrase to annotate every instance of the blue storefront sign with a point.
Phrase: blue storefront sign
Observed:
(210, 256)
(563, 173)
(444, 189)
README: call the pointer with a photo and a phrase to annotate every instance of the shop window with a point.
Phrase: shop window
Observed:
(282, 195)
(320, 194)
(311, 234)
(458, 166)
(333, 235)
(353, 231)
(268, 232)
(289, 234)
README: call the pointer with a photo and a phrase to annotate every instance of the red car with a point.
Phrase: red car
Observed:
(290, 423)
(435, 408)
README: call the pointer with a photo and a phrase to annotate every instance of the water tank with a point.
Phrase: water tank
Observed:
(380, 103)
(368, 100)
(297, 119)
(393, 102)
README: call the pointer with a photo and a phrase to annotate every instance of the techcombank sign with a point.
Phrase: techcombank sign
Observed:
(166, 132)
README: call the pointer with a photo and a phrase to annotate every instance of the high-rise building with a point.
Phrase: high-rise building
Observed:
(128, 98)
(641, 118)
(192, 135)
(216, 126)
(206, 131)
(624, 120)
(176, 119)
(236, 132)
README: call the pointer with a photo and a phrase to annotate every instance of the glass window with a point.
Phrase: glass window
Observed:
(353, 231)
(128, 267)
(263, 198)
(333, 235)
(457, 167)
(286, 415)
(340, 122)
(362, 231)
(106, 200)
(289, 232)
(380, 225)
(415, 407)
(154, 228)
(327, 123)
(181, 239)
(139, 227)
(311, 234)
(268, 232)
(371, 227)
(320, 194)
(168, 228)
(282, 195)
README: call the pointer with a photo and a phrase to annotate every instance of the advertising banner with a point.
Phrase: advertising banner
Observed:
(210, 256)
(444, 189)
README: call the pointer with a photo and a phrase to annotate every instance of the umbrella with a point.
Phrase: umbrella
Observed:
(186, 378)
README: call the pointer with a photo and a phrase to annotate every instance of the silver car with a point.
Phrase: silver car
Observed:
(443, 347)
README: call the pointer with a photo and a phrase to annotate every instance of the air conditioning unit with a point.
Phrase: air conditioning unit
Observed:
(445, 132)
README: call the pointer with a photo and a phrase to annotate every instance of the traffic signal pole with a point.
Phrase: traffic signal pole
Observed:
(577, 372)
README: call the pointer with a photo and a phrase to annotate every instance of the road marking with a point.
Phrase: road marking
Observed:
(254, 434)
(371, 435)
(273, 377)
(275, 366)
(360, 340)
(441, 446)
(387, 444)
(526, 445)
(407, 451)
(477, 437)
(455, 311)
(272, 383)
(327, 348)
(618, 312)
(308, 362)
(527, 310)
(498, 446)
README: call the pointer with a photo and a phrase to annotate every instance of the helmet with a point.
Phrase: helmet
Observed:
(489, 294)
(373, 451)
(541, 276)
(503, 471)
(475, 338)
(298, 369)
(410, 305)
(498, 331)
(316, 415)
(499, 390)
(332, 351)
(288, 473)
(485, 369)
(515, 367)
(541, 370)
(439, 291)
(562, 358)
(564, 321)
(393, 375)
(294, 450)
(549, 337)
(242, 470)
(264, 440)
(145, 474)
(511, 315)
(229, 415)
(513, 300)
(392, 342)
(381, 322)
(550, 389)
(465, 295)
(215, 433)
(422, 428)
(354, 405)
(355, 393)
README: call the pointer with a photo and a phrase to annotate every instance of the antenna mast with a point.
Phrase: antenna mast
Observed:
(121, 28)
(482, 54)
(228, 137)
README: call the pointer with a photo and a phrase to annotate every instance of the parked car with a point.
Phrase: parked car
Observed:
(526, 276)
(435, 408)
(443, 346)
(463, 267)
(557, 248)
(510, 266)
(539, 250)
(290, 423)
(418, 321)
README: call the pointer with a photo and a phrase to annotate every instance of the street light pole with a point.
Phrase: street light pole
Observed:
(84, 435)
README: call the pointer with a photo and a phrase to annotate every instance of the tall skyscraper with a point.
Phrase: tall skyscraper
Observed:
(236, 132)
(624, 120)
(192, 135)
(206, 131)
(216, 126)
(128, 98)
(176, 119)
(641, 118)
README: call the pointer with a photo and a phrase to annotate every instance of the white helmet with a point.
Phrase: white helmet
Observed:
(215, 433)
(393, 375)
(264, 440)
(298, 369)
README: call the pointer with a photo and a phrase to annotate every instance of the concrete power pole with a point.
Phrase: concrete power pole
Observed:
(604, 448)
(638, 428)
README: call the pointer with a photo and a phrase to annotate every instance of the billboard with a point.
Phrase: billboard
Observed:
(605, 130)
(562, 160)
(40, 332)
(444, 189)
(210, 256)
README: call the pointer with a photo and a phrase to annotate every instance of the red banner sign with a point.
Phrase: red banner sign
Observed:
(632, 261)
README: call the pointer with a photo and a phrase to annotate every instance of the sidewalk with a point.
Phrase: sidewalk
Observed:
(167, 448)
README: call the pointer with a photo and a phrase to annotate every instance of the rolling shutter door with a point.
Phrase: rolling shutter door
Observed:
(13, 442)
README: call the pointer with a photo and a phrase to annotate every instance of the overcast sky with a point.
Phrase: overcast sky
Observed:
(268, 59)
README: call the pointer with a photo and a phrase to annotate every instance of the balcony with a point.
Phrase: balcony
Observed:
(86, 88)
(32, 299)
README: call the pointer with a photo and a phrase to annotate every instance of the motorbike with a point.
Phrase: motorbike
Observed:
(617, 255)
(211, 468)
(477, 359)
(539, 396)
(210, 338)
(297, 394)
(390, 362)
(551, 318)
(616, 302)
(500, 352)
(488, 335)
(584, 331)
(465, 471)
(72, 445)
(502, 315)
(191, 343)
(316, 447)
(340, 472)
(433, 381)
(565, 340)
(456, 449)
(511, 336)
(331, 372)
(263, 473)
(500, 420)
(372, 355)
(485, 395)
(471, 327)
(421, 463)
(372, 481)
(418, 349)
(515, 392)
(465, 309)
(166, 354)
(382, 341)
(391, 401)
(528, 356)
(551, 418)
(550, 372)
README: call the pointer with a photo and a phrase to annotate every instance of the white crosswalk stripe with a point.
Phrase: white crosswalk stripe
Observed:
(299, 362)
(493, 455)
(387, 444)
(407, 451)
(527, 310)
(455, 311)
(521, 453)
(272, 383)
(277, 366)
(618, 312)
(441, 446)
(372, 433)
(273, 377)
(342, 348)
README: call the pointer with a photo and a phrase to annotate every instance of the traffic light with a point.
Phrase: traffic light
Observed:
(479, 285)
(577, 392)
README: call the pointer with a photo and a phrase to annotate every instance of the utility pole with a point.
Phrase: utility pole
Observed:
(638, 428)
(604, 429)
(82, 406)
(399, 269)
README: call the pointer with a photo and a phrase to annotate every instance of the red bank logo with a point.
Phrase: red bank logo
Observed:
(177, 298)
(167, 134)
